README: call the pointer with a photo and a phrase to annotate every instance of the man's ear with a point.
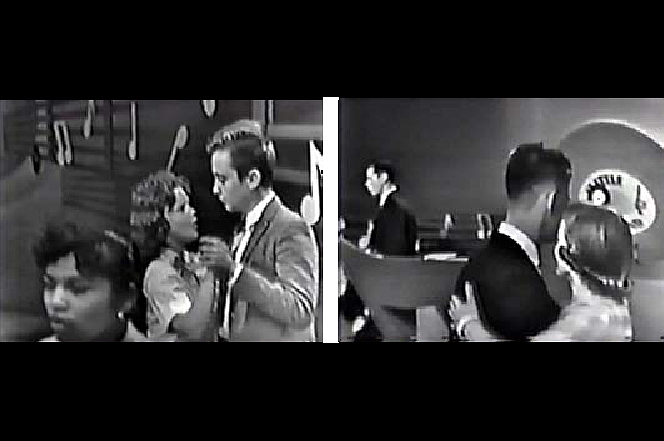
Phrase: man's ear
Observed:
(551, 201)
(254, 179)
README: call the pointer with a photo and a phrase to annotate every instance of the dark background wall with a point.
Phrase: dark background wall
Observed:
(451, 153)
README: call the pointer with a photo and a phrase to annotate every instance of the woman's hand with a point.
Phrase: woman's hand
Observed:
(466, 317)
(468, 310)
(215, 253)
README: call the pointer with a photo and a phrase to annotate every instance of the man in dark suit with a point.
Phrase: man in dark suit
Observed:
(393, 232)
(512, 297)
(273, 272)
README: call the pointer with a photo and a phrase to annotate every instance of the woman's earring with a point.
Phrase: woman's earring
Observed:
(121, 315)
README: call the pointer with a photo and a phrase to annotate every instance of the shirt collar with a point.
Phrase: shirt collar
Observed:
(525, 242)
(386, 193)
(255, 214)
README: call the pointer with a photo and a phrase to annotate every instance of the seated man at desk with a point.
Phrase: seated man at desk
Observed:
(393, 232)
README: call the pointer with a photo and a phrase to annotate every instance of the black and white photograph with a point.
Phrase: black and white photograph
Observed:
(501, 219)
(161, 220)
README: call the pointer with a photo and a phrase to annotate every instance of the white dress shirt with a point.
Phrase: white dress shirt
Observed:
(386, 193)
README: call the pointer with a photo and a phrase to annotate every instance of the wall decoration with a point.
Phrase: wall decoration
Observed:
(132, 149)
(87, 125)
(65, 155)
(180, 142)
(622, 193)
(310, 206)
(210, 107)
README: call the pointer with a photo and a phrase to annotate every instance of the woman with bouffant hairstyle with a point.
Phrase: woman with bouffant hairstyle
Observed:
(595, 252)
(177, 300)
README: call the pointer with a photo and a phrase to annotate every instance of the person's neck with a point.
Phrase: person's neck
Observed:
(255, 199)
(172, 243)
(386, 191)
(524, 222)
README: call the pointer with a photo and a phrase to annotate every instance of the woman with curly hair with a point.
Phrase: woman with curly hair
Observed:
(178, 298)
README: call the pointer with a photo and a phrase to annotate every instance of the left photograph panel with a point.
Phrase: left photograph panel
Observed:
(161, 220)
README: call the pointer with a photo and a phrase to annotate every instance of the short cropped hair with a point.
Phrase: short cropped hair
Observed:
(97, 253)
(386, 167)
(247, 148)
(531, 165)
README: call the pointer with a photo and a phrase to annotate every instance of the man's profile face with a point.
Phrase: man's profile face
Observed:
(232, 192)
(374, 183)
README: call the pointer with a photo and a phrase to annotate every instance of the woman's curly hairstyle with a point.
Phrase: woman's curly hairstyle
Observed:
(150, 198)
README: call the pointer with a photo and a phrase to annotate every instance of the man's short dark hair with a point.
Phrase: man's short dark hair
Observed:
(248, 152)
(386, 167)
(531, 165)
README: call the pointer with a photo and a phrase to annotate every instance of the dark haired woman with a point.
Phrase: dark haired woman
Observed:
(89, 284)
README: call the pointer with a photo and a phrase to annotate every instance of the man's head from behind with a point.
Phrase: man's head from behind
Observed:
(379, 175)
(242, 165)
(538, 181)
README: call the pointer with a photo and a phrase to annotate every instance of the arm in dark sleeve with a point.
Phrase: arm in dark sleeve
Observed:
(290, 297)
(515, 304)
(411, 234)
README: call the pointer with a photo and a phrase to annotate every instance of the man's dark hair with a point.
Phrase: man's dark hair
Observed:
(386, 167)
(532, 164)
(97, 254)
(248, 152)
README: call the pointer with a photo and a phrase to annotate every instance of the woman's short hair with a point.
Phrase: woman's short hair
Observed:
(248, 150)
(97, 253)
(599, 246)
(150, 198)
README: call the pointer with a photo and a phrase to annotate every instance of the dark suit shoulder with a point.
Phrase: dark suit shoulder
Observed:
(398, 202)
(511, 294)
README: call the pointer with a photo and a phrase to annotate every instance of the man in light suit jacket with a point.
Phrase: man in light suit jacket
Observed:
(272, 291)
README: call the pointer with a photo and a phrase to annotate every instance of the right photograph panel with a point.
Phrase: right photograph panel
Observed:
(501, 219)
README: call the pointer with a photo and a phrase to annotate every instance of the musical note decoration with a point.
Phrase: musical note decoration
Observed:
(132, 148)
(310, 207)
(87, 125)
(210, 107)
(180, 142)
(65, 155)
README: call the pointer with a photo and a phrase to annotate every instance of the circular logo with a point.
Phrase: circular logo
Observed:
(623, 194)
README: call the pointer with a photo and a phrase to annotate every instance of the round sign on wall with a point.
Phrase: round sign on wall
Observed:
(623, 194)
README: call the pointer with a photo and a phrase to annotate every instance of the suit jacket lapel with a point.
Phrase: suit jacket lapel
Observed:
(261, 227)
